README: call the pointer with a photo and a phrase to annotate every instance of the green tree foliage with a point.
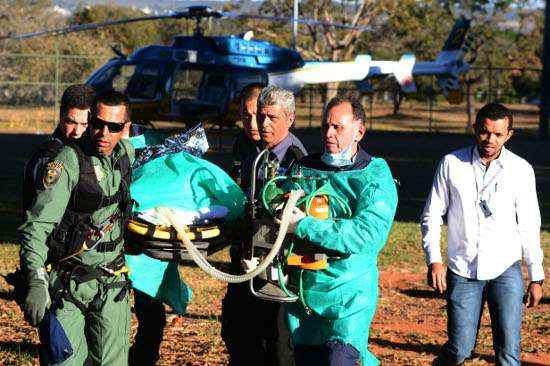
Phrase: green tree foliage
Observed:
(130, 36)
(397, 27)
(20, 16)
(419, 27)
(323, 42)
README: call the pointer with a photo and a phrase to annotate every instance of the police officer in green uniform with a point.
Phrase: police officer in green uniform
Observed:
(72, 242)
(74, 110)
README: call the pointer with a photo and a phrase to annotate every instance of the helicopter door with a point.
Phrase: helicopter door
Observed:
(215, 89)
(198, 94)
(185, 86)
(144, 82)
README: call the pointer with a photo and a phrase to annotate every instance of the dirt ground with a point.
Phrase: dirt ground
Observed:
(409, 326)
(408, 329)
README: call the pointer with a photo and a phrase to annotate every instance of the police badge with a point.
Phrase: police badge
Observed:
(52, 173)
(98, 173)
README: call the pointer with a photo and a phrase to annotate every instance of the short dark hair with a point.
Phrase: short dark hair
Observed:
(112, 98)
(250, 90)
(493, 111)
(356, 107)
(79, 96)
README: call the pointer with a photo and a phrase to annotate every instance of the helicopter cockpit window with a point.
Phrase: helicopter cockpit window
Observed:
(143, 83)
(186, 84)
(121, 80)
(104, 75)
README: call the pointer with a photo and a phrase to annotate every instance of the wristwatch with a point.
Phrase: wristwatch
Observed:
(539, 282)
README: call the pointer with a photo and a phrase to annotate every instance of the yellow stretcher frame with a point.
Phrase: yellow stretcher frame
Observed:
(161, 232)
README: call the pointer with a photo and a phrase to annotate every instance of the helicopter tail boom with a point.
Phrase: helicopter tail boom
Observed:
(322, 72)
(314, 72)
(447, 67)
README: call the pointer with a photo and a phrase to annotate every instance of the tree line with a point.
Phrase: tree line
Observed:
(505, 33)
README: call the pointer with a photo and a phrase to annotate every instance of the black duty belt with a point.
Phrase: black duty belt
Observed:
(109, 246)
(81, 273)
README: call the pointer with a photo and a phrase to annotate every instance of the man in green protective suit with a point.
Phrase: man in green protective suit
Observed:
(71, 245)
(330, 326)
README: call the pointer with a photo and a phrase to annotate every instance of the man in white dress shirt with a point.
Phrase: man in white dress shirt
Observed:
(489, 196)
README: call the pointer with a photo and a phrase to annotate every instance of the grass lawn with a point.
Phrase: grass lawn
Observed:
(409, 326)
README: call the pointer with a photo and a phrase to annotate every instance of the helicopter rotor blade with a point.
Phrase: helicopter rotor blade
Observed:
(89, 26)
(193, 12)
(299, 20)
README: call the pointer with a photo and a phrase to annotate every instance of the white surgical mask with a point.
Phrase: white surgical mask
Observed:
(342, 158)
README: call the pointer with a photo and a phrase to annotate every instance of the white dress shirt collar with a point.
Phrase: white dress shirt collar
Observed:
(501, 160)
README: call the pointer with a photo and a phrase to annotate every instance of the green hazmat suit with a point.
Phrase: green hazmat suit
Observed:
(342, 298)
(102, 335)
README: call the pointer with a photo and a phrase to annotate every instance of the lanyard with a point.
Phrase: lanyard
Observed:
(479, 194)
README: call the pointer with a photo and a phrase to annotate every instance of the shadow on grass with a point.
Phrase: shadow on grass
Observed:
(433, 349)
(202, 317)
(220, 265)
(422, 294)
(8, 228)
(7, 295)
(29, 349)
(414, 347)
(491, 360)
(400, 117)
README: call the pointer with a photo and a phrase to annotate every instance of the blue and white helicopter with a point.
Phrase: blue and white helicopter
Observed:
(199, 78)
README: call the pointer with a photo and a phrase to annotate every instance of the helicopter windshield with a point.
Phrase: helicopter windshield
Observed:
(140, 81)
(200, 91)
(143, 84)
(198, 85)
(123, 76)
(186, 84)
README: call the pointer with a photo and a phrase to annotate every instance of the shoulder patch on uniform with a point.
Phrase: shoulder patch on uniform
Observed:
(52, 173)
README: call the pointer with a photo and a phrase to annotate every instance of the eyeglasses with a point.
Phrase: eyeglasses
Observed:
(99, 124)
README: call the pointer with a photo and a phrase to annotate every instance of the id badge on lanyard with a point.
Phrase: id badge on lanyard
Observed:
(482, 202)
(485, 208)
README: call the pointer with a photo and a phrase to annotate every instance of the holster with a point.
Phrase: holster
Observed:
(67, 239)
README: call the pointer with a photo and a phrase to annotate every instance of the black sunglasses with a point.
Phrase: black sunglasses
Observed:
(99, 124)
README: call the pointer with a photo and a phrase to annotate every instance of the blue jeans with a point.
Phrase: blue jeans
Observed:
(465, 297)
